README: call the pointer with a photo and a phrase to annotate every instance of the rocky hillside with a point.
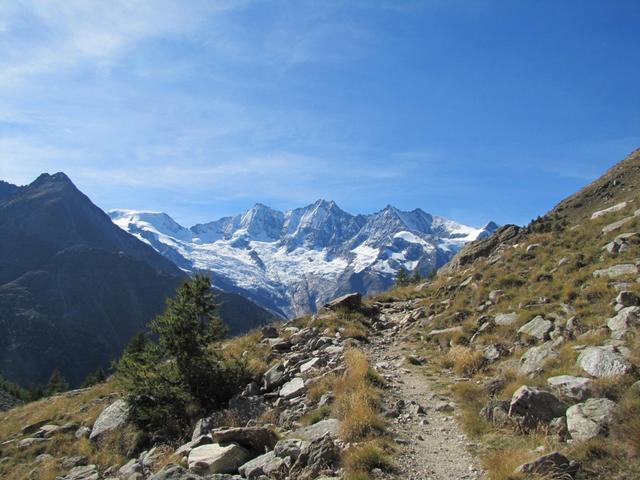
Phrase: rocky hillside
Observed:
(74, 288)
(294, 262)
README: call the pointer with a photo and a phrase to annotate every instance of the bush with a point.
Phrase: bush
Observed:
(171, 382)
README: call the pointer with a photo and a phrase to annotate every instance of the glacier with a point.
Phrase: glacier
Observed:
(293, 262)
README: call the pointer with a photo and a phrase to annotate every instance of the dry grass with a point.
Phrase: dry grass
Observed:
(358, 461)
(500, 464)
(464, 360)
(249, 348)
(356, 399)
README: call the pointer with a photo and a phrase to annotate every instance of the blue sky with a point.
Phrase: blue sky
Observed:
(474, 110)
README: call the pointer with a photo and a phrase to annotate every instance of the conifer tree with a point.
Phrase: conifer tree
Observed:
(56, 384)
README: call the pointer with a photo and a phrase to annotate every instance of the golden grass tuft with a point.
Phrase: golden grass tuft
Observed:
(362, 459)
(464, 360)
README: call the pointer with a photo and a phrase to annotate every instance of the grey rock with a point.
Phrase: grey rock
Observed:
(269, 331)
(34, 427)
(625, 319)
(329, 426)
(216, 458)
(321, 454)
(268, 465)
(531, 407)
(86, 472)
(554, 465)
(257, 440)
(617, 271)
(196, 442)
(506, 318)
(74, 461)
(534, 359)
(606, 211)
(292, 388)
(29, 441)
(538, 328)
(628, 299)
(616, 225)
(273, 378)
(112, 418)
(603, 362)
(569, 387)
(289, 448)
(591, 418)
(350, 301)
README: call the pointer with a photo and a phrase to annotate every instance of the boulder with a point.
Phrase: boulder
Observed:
(533, 360)
(112, 418)
(329, 426)
(591, 418)
(273, 378)
(606, 211)
(506, 318)
(628, 299)
(553, 465)
(625, 319)
(258, 440)
(216, 458)
(603, 362)
(531, 407)
(268, 465)
(350, 301)
(203, 427)
(292, 388)
(570, 388)
(314, 362)
(538, 328)
(269, 331)
(196, 442)
(319, 455)
(617, 271)
(494, 295)
(290, 447)
(616, 225)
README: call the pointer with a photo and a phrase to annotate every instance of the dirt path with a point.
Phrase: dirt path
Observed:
(433, 446)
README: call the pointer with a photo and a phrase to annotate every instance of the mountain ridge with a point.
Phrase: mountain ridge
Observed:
(290, 262)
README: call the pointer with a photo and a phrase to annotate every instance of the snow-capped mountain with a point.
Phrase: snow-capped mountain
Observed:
(293, 262)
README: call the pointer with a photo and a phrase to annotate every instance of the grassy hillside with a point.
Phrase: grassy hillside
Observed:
(549, 273)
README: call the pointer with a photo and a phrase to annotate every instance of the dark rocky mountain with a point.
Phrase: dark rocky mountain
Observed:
(74, 288)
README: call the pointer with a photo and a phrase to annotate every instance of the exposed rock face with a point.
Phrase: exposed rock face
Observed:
(531, 406)
(112, 418)
(74, 288)
(617, 271)
(294, 262)
(603, 362)
(591, 418)
(292, 388)
(504, 236)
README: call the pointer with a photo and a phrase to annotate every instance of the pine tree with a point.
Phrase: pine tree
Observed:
(94, 378)
(415, 277)
(56, 384)
(182, 375)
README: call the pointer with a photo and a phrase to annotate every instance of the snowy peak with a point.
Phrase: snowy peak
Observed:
(156, 222)
(290, 262)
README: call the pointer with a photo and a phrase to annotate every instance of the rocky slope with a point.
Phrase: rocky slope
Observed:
(74, 288)
(293, 262)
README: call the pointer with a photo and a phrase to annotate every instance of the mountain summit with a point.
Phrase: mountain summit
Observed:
(293, 262)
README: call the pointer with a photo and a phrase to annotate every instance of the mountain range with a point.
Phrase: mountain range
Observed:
(74, 288)
(293, 262)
